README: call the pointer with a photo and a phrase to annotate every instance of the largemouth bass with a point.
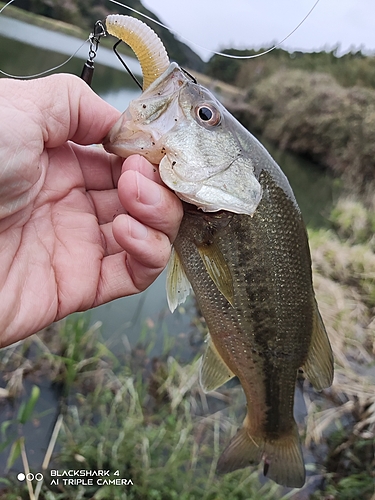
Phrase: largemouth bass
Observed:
(242, 247)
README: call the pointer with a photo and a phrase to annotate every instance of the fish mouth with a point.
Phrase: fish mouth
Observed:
(127, 136)
(122, 140)
(141, 127)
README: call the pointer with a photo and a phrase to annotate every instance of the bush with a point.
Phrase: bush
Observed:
(312, 115)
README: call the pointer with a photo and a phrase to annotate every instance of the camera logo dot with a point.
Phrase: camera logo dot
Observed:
(29, 477)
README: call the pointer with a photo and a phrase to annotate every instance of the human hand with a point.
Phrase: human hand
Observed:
(67, 239)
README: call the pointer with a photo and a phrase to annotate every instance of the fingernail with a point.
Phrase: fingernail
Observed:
(149, 193)
(137, 230)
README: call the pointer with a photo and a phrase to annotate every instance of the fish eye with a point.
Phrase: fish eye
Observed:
(205, 113)
(208, 114)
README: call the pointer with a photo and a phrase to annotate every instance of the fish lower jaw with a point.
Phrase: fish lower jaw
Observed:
(125, 149)
(210, 200)
(205, 207)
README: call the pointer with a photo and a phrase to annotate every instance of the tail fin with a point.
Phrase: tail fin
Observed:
(240, 452)
(283, 460)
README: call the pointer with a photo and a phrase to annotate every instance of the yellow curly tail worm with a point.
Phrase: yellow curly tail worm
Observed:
(145, 43)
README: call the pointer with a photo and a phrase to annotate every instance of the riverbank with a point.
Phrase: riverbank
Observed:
(313, 116)
(62, 27)
(316, 105)
(344, 271)
(43, 22)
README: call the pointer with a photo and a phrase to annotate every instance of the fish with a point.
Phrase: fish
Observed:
(242, 247)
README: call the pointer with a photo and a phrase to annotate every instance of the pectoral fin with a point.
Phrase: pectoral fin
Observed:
(178, 286)
(218, 269)
(214, 372)
(319, 364)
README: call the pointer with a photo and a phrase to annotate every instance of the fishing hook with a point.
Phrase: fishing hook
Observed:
(193, 79)
(125, 65)
(94, 39)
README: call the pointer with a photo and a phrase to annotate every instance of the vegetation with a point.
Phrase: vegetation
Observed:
(320, 105)
(349, 70)
(158, 431)
(312, 115)
(344, 265)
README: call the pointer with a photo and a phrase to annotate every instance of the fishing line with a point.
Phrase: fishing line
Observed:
(90, 39)
(6, 5)
(230, 56)
(26, 77)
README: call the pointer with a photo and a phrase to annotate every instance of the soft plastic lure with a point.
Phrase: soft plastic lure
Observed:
(145, 43)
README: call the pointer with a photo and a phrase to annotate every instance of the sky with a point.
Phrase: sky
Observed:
(218, 24)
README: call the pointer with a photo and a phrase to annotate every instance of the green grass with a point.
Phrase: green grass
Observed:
(153, 429)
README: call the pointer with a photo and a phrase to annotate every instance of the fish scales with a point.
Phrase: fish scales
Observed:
(261, 336)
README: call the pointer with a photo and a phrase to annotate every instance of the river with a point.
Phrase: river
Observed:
(124, 319)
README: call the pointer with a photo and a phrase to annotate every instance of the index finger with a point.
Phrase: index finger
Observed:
(65, 108)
